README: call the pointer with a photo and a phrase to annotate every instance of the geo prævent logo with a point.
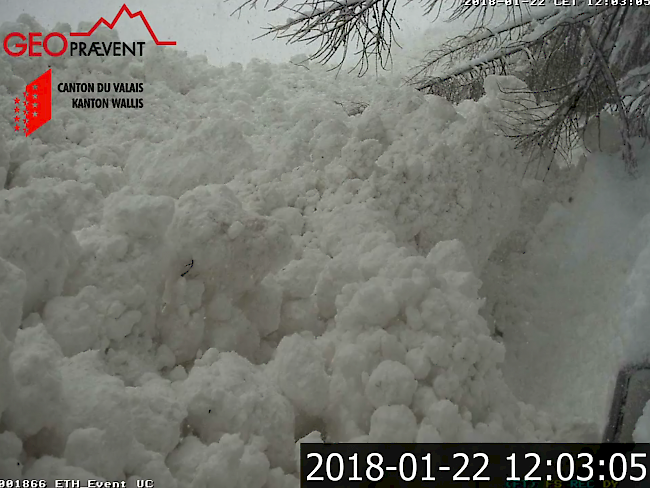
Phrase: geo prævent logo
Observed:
(35, 109)
(28, 44)
(36, 105)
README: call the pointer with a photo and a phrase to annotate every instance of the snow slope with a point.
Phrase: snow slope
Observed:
(570, 299)
(188, 289)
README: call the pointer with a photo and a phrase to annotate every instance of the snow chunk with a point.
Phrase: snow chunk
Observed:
(292, 218)
(232, 462)
(418, 363)
(212, 150)
(449, 256)
(231, 396)
(181, 328)
(299, 277)
(36, 236)
(372, 305)
(13, 285)
(635, 305)
(6, 374)
(236, 333)
(337, 273)
(157, 415)
(262, 306)
(4, 161)
(74, 322)
(39, 395)
(148, 465)
(186, 458)
(300, 316)
(391, 383)
(50, 469)
(199, 232)
(92, 450)
(235, 230)
(300, 368)
(10, 449)
(641, 431)
(279, 479)
(508, 93)
(393, 423)
(177, 374)
(446, 421)
(93, 399)
(138, 215)
(313, 437)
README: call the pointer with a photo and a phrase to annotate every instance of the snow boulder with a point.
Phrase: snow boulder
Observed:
(635, 307)
(230, 460)
(148, 465)
(209, 151)
(182, 319)
(157, 415)
(226, 394)
(13, 285)
(235, 463)
(10, 449)
(91, 449)
(36, 236)
(51, 468)
(508, 93)
(126, 260)
(6, 374)
(300, 370)
(4, 159)
(262, 306)
(231, 248)
(138, 216)
(641, 431)
(95, 400)
(393, 423)
(76, 322)
(38, 397)
(391, 383)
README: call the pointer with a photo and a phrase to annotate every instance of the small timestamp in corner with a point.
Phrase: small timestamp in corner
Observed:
(530, 3)
(618, 3)
(561, 484)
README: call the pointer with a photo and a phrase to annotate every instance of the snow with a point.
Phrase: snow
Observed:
(190, 290)
(641, 433)
(602, 134)
(588, 246)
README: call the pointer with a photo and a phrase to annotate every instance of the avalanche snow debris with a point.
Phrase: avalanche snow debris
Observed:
(333, 288)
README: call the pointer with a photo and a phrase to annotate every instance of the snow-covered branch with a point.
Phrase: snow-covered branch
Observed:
(545, 22)
(547, 47)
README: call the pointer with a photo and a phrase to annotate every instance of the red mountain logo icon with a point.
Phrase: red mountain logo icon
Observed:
(110, 25)
(17, 43)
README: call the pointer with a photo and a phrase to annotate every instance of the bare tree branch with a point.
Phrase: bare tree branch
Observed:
(550, 20)
(575, 60)
(628, 153)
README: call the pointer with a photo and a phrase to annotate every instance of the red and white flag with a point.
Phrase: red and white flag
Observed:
(36, 106)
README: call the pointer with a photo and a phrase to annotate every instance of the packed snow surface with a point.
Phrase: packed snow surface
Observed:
(261, 255)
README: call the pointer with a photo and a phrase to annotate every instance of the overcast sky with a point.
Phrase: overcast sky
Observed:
(199, 27)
